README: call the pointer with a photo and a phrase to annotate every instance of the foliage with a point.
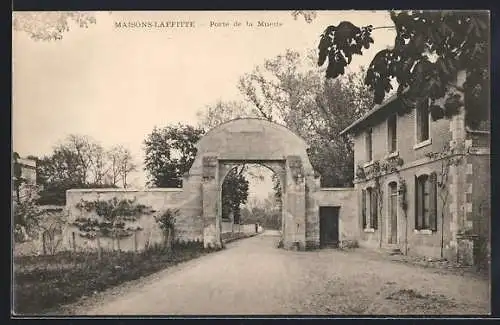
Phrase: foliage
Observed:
(265, 212)
(278, 195)
(50, 25)
(222, 112)
(121, 164)
(42, 283)
(170, 152)
(234, 193)
(449, 156)
(166, 220)
(308, 15)
(290, 90)
(26, 214)
(80, 162)
(51, 231)
(379, 168)
(114, 214)
(348, 244)
(430, 47)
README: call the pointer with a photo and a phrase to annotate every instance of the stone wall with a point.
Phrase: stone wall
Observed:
(188, 227)
(345, 198)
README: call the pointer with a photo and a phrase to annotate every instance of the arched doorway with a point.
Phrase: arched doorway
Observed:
(251, 195)
(277, 167)
(258, 141)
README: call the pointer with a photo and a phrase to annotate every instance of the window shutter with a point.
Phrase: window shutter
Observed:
(374, 223)
(426, 206)
(433, 202)
(363, 207)
(418, 204)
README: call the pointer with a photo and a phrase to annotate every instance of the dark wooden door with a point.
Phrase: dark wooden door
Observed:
(329, 226)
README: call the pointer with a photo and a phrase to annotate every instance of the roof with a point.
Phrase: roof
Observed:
(26, 162)
(370, 115)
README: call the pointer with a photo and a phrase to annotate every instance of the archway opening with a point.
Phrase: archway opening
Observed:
(251, 200)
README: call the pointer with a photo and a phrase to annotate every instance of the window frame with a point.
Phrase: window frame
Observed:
(419, 141)
(425, 203)
(390, 141)
(369, 148)
(370, 210)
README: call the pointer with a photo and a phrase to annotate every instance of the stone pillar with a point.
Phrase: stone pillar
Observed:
(312, 213)
(295, 207)
(211, 198)
(457, 184)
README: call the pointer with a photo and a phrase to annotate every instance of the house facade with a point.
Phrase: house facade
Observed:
(28, 170)
(28, 175)
(422, 186)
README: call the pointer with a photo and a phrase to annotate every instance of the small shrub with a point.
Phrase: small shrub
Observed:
(348, 244)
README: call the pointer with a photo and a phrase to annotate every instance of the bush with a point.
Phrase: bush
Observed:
(348, 244)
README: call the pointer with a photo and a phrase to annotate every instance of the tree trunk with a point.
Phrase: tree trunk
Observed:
(44, 245)
(135, 241)
(98, 239)
(74, 241)
(167, 239)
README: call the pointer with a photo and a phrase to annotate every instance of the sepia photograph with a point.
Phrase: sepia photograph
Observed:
(251, 163)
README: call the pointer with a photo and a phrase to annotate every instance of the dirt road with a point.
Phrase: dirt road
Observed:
(253, 277)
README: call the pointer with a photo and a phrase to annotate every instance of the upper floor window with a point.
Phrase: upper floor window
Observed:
(422, 123)
(368, 143)
(425, 202)
(392, 134)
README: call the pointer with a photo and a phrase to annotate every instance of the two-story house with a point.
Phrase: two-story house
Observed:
(423, 186)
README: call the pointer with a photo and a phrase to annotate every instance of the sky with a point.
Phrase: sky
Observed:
(115, 84)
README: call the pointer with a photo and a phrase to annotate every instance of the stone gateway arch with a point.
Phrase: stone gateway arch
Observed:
(252, 140)
(199, 201)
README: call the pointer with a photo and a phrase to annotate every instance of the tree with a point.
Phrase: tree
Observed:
(278, 195)
(234, 193)
(112, 219)
(121, 164)
(288, 89)
(170, 152)
(26, 214)
(222, 112)
(166, 222)
(98, 166)
(50, 25)
(429, 49)
(77, 162)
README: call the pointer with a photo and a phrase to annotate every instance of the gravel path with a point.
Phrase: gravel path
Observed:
(252, 277)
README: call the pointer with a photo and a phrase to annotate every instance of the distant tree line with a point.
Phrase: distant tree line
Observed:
(81, 162)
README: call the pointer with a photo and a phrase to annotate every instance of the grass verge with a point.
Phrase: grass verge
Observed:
(230, 236)
(45, 282)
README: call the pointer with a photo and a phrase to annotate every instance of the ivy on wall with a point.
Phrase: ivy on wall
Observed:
(112, 218)
(379, 168)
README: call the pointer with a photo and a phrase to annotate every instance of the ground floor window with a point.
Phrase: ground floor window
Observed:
(369, 208)
(425, 202)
